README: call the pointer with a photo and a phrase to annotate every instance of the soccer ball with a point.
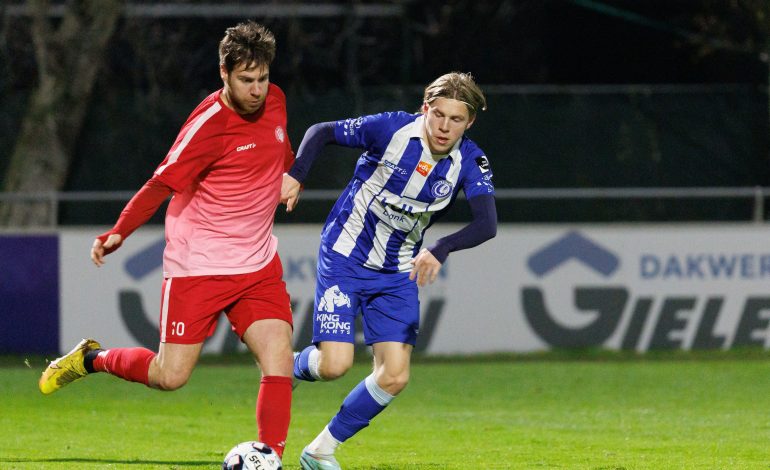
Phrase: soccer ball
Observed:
(252, 455)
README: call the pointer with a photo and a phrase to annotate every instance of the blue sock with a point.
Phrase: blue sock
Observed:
(301, 365)
(361, 405)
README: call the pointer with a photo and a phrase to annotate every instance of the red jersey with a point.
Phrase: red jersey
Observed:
(226, 171)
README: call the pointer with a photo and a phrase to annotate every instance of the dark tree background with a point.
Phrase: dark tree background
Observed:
(539, 61)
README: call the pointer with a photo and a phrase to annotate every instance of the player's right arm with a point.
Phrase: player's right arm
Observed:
(138, 211)
(316, 138)
(362, 132)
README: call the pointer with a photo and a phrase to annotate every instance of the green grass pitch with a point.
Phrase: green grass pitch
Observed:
(514, 413)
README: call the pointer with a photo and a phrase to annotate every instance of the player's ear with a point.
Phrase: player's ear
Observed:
(470, 122)
(424, 107)
(223, 72)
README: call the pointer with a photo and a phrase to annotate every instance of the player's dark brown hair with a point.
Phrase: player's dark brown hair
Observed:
(247, 43)
(457, 86)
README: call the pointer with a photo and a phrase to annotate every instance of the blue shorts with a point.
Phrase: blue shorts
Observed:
(388, 303)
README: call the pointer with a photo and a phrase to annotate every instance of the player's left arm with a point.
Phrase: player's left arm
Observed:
(482, 227)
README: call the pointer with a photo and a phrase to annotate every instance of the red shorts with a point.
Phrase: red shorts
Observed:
(190, 306)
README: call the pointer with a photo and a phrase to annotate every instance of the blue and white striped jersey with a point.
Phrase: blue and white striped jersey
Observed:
(398, 189)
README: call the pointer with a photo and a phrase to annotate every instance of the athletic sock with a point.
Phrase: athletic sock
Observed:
(274, 411)
(361, 405)
(306, 364)
(323, 444)
(132, 364)
(88, 360)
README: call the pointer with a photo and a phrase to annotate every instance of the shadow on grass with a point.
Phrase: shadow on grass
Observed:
(171, 463)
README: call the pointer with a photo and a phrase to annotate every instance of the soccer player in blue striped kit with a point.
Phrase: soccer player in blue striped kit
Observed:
(370, 261)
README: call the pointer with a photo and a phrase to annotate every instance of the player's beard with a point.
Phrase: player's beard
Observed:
(247, 106)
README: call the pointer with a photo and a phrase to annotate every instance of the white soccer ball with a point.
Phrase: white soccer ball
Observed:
(252, 455)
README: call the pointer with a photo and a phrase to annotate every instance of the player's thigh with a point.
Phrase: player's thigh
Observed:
(392, 365)
(392, 357)
(190, 307)
(264, 297)
(269, 341)
(393, 312)
(337, 301)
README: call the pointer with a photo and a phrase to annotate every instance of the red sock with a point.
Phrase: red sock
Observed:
(132, 364)
(274, 411)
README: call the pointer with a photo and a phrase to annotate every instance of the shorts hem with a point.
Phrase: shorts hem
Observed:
(399, 339)
(183, 341)
(316, 341)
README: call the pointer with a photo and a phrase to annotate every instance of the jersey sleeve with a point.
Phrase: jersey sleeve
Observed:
(363, 132)
(478, 179)
(198, 144)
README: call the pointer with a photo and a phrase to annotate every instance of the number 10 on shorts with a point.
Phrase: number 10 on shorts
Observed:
(177, 328)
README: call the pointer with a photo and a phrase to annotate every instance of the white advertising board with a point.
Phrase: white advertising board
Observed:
(635, 287)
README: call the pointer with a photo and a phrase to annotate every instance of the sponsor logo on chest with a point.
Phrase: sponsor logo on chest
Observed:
(423, 168)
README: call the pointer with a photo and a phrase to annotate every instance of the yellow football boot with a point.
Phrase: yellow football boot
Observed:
(67, 368)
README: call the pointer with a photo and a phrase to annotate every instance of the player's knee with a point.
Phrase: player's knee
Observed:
(393, 383)
(172, 381)
(331, 370)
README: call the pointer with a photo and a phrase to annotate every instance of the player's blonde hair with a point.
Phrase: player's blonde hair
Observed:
(457, 86)
(249, 43)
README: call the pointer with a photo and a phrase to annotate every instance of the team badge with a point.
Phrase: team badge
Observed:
(441, 188)
(350, 125)
(483, 163)
(423, 168)
(279, 134)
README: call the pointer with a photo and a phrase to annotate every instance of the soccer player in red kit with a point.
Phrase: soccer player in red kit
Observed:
(224, 171)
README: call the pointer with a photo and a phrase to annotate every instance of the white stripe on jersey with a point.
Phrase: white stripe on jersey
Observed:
(164, 311)
(354, 225)
(199, 122)
(377, 254)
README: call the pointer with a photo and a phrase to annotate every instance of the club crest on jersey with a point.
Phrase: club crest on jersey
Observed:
(423, 168)
(279, 134)
(483, 163)
(441, 188)
(350, 125)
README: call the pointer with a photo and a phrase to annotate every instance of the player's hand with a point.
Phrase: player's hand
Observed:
(290, 189)
(426, 268)
(100, 249)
